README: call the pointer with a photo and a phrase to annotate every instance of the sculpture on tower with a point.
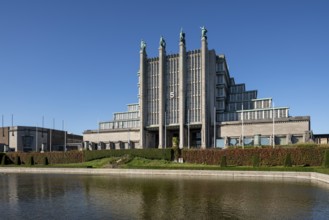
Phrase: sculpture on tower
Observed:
(143, 45)
(182, 36)
(162, 42)
(204, 32)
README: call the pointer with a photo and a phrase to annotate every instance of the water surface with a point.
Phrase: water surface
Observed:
(54, 196)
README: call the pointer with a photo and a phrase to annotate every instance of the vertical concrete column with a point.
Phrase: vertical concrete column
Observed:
(288, 139)
(257, 140)
(306, 136)
(204, 110)
(143, 93)
(181, 93)
(162, 94)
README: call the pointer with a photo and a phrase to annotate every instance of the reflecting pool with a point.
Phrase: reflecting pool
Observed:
(53, 196)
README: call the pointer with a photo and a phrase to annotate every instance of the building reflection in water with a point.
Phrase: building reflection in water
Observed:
(146, 197)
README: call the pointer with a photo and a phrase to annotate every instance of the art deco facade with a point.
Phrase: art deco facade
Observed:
(191, 95)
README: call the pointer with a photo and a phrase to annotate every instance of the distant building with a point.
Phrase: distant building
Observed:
(26, 139)
(321, 138)
(191, 95)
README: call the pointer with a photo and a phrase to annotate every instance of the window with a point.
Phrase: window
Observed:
(220, 92)
(220, 79)
(220, 104)
(259, 114)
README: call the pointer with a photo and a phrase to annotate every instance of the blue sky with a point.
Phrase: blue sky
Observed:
(77, 60)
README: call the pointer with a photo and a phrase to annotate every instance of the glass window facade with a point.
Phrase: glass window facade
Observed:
(194, 85)
(172, 79)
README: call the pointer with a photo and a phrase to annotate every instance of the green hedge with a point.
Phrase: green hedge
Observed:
(267, 156)
(158, 154)
(326, 159)
(223, 162)
(5, 160)
(2, 155)
(53, 157)
(17, 160)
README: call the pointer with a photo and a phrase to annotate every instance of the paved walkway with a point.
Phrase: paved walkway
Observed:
(318, 177)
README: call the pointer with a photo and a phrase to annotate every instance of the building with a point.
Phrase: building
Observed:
(26, 139)
(321, 138)
(192, 96)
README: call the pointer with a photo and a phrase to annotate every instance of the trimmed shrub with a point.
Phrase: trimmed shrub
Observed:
(31, 161)
(45, 161)
(288, 161)
(223, 162)
(255, 161)
(18, 160)
(175, 147)
(326, 159)
(53, 157)
(267, 156)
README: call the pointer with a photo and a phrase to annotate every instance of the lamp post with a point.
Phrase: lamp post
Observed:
(188, 129)
(165, 124)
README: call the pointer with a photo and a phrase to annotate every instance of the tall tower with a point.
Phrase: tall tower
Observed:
(182, 88)
(162, 92)
(204, 74)
(143, 93)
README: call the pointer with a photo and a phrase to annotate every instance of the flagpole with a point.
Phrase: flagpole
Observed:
(242, 128)
(214, 126)
(3, 130)
(12, 124)
(64, 136)
(36, 138)
(273, 116)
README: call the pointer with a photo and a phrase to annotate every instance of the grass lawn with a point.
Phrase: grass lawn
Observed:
(140, 163)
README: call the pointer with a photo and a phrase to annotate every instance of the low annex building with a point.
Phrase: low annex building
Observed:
(37, 139)
(192, 96)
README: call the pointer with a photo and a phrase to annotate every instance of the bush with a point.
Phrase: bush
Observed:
(31, 161)
(255, 161)
(288, 161)
(45, 161)
(326, 159)
(18, 160)
(223, 162)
